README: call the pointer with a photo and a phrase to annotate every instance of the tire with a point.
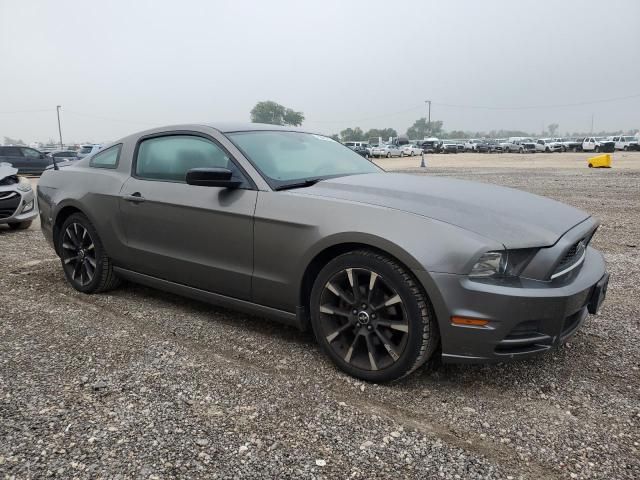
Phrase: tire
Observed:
(78, 238)
(20, 225)
(378, 349)
(389, 155)
(591, 165)
(547, 150)
(625, 148)
(401, 154)
(597, 150)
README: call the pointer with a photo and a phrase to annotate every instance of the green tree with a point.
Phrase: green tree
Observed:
(553, 128)
(352, 135)
(336, 137)
(421, 129)
(13, 141)
(275, 114)
(385, 133)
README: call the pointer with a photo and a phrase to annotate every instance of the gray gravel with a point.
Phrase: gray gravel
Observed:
(140, 383)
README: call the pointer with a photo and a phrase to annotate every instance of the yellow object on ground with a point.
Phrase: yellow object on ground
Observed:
(601, 161)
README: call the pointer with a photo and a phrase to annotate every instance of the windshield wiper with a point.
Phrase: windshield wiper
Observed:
(304, 183)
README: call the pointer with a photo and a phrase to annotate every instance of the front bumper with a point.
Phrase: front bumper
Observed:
(12, 207)
(526, 317)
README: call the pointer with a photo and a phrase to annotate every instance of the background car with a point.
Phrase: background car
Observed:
(411, 149)
(26, 159)
(526, 145)
(548, 145)
(470, 145)
(597, 145)
(494, 146)
(448, 147)
(430, 145)
(386, 150)
(625, 142)
(361, 150)
(18, 206)
(90, 149)
(61, 155)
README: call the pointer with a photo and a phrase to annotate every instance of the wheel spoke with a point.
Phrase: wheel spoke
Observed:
(72, 236)
(90, 247)
(370, 349)
(401, 327)
(331, 337)
(91, 260)
(339, 292)
(329, 310)
(353, 281)
(90, 270)
(387, 346)
(372, 282)
(347, 357)
(70, 259)
(68, 246)
(76, 270)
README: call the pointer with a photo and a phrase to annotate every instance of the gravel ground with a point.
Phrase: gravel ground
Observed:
(139, 383)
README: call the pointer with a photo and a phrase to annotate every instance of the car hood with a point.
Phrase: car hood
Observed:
(512, 217)
(7, 170)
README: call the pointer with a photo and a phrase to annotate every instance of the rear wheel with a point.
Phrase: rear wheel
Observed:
(389, 155)
(85, 263)
(20, 225)
(371, 317)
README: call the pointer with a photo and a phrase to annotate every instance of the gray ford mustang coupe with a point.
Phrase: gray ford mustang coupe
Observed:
(389, 270)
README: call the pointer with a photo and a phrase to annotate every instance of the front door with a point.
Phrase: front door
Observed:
(192, 235)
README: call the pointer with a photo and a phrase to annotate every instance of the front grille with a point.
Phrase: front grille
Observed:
(573, 256)
(9, 203)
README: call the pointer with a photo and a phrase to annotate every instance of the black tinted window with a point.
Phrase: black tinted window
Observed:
(169, 158)
(107, 158)
(30, 153)
(10, 151)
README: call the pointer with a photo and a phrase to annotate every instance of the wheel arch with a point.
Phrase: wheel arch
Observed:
(63, 212)
(323, 255)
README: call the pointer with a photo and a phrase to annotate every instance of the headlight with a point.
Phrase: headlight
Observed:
(490, 264)
(506, 263)
(24, 185)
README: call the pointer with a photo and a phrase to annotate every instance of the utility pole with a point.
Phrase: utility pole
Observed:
(592, 124)
(428, 103)
(58, 107)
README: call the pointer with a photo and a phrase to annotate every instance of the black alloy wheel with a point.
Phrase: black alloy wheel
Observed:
(371, 317)
(85, 263)
(78, 254)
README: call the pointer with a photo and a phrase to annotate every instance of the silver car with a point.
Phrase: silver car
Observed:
(386, 150)
(17, 200)
(387, 269)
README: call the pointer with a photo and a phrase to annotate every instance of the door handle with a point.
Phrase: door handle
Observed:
(134, 197)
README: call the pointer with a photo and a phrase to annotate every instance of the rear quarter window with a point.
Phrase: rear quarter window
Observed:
(108, 158)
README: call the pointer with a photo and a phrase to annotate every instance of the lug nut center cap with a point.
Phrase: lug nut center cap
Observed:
(363, 317)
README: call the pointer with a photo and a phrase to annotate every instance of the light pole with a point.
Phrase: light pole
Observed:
(58, 107)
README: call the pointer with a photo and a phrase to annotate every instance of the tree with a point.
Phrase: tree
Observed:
(553, 128)
(336, 137)
(13, 141)
(421, 129)
(352, 134)
(385, 133)
(275, 114)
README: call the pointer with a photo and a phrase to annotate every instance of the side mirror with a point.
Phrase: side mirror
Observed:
(212, 177)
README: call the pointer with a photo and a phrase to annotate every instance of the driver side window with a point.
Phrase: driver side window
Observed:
(30, 153)
(169, 158)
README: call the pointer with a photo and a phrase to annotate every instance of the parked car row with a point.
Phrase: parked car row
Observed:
(30, 161)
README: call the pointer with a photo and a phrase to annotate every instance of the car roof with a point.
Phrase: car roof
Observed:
(228, 127)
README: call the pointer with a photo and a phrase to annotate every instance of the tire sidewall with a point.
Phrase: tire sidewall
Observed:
(412, 309)
(95, 281)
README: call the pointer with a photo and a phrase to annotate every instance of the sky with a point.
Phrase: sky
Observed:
(118, 66)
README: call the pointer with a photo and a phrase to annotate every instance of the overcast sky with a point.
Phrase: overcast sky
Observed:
(122, 66)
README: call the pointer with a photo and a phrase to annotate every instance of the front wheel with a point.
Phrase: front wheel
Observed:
(401, 154)
(389, 155)
(597, 149)
(85, 263)
(371, 317)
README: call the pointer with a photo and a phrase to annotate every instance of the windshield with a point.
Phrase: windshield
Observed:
(86, 149)
(292, 157)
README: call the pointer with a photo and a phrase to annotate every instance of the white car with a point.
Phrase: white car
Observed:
(410, 150)
(548, 145)
(470, 145)
(625, 142)
(86, 150)
(596, 144)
